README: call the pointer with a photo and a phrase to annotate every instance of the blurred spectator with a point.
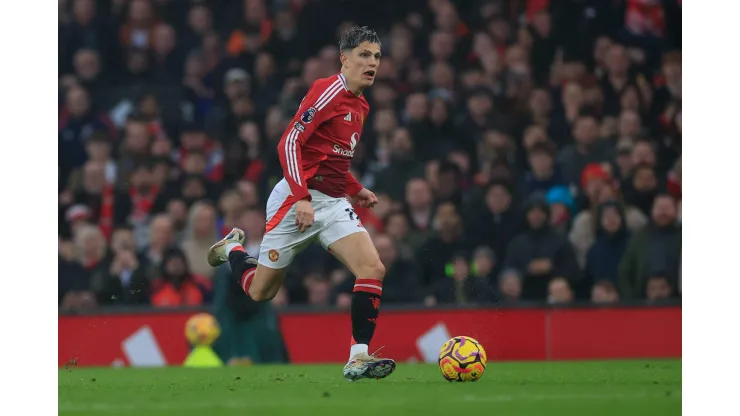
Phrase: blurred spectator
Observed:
(540, 254)
(465, 285)
(121, 240)
(125, 283)
(654, 252)
(658, 288)
(177, 285)
(562, 206)
(200, 234)
(136, 32)
(543, 173)
(77, 217)
(495, 223)
(161, 237)
(588, 148)
(641, 188)
(74, 283)
(612, 237)
(397, 227)
(402, 166)
(230, 206)
(177, 213)
(604, 292)
(77, 121)
(166, 54)
(419, 204)
(99, 150)
(437, 253)
(252, 221)
(91, 250)
(510, 285)
(108, 208)
(318, 289)
(559, 291)
(598, 189)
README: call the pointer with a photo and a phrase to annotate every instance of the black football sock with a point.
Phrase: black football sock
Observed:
(365, 309)
(242, 271)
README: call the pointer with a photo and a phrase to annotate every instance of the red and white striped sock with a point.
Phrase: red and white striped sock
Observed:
(244, 272)
(246, 280)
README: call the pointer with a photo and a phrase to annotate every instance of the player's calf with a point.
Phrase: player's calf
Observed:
(266, 283)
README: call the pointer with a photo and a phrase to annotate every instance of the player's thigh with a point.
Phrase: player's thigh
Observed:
(349, 242)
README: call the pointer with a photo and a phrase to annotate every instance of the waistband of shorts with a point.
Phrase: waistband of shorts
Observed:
(315, 195)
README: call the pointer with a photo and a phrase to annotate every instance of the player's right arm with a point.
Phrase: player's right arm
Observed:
(314, 110)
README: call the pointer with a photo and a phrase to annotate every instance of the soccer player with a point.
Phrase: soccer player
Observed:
(310, 203)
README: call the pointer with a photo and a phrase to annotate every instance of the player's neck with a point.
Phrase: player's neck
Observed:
(354, 89)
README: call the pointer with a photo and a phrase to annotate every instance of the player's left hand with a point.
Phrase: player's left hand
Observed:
(366, 198)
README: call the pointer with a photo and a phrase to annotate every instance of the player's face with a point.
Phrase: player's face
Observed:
(362, 64)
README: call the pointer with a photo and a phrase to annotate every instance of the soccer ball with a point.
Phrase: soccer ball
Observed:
(202, 329)
(462, 359)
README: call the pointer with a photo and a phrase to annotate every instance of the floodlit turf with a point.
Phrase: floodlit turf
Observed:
(552, 388)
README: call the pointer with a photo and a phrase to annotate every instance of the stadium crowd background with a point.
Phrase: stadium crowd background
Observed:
(522, 150)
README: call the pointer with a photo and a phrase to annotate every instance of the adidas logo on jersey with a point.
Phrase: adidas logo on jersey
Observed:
(348, 117)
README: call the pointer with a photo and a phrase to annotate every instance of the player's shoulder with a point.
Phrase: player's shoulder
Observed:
(327, 90)
(336, 82)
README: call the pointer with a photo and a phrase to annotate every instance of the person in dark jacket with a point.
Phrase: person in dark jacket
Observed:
(436, 254)
(544, 173)
(540, 253)
(653, 253)
(612, 237)
(494, 222)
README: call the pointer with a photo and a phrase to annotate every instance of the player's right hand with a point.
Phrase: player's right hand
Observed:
(303, 214)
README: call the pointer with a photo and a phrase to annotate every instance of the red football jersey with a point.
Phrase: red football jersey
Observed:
(316, 149)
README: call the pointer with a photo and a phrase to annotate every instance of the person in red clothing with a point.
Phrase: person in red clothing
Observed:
(177, 286)
(310, 204)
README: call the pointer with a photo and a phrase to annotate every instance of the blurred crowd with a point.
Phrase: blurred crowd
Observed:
(521, 150)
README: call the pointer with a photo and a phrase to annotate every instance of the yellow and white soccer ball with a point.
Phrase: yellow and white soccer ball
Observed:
(462, 359)
(202, 329)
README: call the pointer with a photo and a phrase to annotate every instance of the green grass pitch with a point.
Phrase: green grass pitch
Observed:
(546, 388)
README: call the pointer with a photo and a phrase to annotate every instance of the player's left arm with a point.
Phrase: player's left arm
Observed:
(359, 194)
(353, 185)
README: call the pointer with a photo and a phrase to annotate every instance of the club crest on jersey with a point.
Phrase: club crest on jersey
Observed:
(298, 126)
(308, 115)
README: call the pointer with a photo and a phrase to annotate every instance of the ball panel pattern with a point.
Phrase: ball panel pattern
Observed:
(462, 359)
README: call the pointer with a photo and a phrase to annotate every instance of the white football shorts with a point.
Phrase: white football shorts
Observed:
(334, 218)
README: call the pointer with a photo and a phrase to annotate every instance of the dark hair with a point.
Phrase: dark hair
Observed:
(99, 137)
(147, 165)
(547, 148)
(355, 35)
(606, 285)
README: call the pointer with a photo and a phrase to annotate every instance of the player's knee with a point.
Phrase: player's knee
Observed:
(374, 270)
(260, 294)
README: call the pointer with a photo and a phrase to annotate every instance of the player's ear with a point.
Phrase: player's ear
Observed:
(342, 58)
